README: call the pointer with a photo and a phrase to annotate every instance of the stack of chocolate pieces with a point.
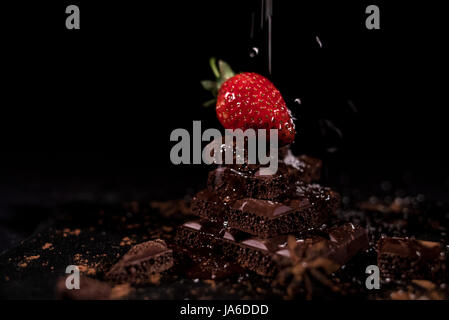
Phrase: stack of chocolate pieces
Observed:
(248, 218)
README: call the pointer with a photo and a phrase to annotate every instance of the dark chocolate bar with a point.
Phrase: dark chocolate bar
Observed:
(245, 181)
(231, 184)
(264, 256)
(141, 261)
(264, 218)
(403, 258)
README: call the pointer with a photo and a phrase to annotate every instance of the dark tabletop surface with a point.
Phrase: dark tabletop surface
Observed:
(49, 224)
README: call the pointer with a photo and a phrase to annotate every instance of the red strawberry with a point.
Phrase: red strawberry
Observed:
(249, 100)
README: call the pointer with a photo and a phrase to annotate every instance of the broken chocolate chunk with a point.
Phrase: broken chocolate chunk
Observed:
(311, 206)
(404, 258)
(246, 181)
(265, 218)
(141, 262)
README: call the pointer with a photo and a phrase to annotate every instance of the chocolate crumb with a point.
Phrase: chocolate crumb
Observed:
(26, 260)
(47, 245)
(90, 289)
(120, 291)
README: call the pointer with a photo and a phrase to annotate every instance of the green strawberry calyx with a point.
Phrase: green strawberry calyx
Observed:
(222, 73)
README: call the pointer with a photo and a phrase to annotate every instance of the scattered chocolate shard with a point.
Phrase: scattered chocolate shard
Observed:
(404, 259)
(141, 262)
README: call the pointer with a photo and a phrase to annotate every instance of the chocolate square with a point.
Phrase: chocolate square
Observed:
(141, 261)
(404, 258)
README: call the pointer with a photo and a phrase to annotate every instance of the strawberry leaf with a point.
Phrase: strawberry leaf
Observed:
(209, 103)
(226, 71)
(209, 85)
(213, 66)
(222, 73)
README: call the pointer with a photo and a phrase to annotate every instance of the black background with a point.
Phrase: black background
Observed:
(87, 114)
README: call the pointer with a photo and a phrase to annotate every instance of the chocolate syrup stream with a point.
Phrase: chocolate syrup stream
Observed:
(265, 25)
